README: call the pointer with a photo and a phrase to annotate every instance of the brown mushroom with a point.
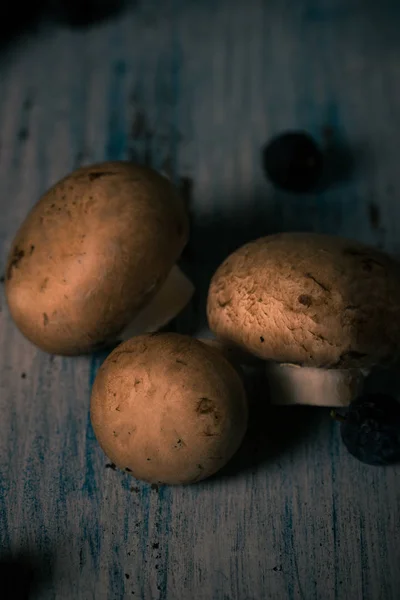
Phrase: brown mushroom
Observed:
(167, 408)
(94, 261)
(321, 310)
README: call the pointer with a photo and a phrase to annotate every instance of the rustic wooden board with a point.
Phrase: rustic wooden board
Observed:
(195, 89)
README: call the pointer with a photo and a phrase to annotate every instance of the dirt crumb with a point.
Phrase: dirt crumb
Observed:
(111, 466)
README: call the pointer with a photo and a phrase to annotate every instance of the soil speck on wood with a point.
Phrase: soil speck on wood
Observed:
(111, 466)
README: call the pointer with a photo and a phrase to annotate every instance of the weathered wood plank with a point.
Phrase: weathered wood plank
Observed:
(196, 88)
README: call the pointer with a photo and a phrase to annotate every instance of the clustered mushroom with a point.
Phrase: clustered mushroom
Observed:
(94, 264)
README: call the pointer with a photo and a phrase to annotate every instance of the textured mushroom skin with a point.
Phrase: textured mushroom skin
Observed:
(168, 409)
(94, 249)
(308, 299)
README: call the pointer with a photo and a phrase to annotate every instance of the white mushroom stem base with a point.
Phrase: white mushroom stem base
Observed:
(290, 384)
(170, 300)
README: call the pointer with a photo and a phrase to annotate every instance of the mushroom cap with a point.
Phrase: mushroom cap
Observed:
(308, 299)
(91, 253)
(168, 408)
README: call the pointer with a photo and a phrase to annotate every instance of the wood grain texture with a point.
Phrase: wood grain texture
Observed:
(195, 89)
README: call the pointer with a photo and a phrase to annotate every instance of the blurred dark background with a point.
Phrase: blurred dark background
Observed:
(69, 13)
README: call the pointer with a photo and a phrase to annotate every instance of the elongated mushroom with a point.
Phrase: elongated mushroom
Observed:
(168, 409)
(94, 261)
(321, 310)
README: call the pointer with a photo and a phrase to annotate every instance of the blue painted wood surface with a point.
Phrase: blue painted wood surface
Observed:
(196, 88)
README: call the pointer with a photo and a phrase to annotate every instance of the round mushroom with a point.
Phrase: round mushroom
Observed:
(168, 409)
(94, 261)
(321, 310)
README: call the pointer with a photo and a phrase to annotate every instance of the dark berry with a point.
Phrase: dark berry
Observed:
(371, 429)
(293, 161)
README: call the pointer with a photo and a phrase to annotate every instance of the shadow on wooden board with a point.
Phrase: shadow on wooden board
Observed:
(23, 575)
(276, 430)
(78, 14)
(273, 431)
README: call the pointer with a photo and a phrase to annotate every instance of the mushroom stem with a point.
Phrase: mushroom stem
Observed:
(169, 301)
(291, 384)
